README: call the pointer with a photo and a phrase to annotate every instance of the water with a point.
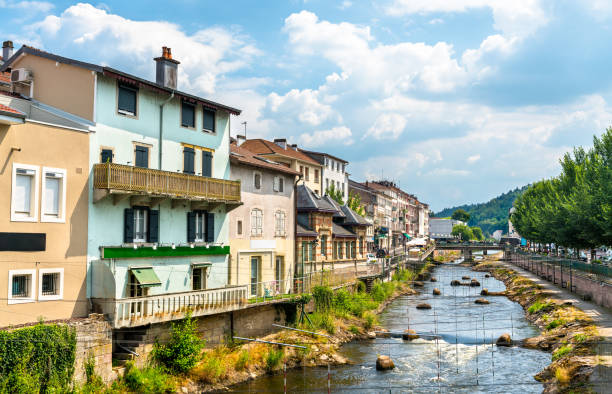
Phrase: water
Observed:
(462, 361)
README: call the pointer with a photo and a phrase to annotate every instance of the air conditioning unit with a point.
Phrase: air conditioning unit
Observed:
(21, 75)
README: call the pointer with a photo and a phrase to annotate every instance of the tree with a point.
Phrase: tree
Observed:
(461, 215)
(477, 232)
(354, 202)
(463, 232)
(335, 194)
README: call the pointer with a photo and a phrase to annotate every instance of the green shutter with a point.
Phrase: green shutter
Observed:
(128, 225)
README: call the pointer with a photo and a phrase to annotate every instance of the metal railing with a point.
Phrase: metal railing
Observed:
(145, 180)
(160, 308)
(600, 271)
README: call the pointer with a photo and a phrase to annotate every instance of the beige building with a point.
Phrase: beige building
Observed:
(43, 226)
(262, 230)
(281, 152)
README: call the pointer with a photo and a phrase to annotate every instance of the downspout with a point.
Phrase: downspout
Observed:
(295, 182)
(161, 129)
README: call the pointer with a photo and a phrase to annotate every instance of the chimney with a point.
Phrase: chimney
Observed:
(7, 50)
(294, 147)
(282, 142)
(166, 69)
(240, 139)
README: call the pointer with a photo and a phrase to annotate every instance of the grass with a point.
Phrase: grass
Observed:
(273, 358)
(213, 366)
(555, 323)
(539, 306)
(370, 320)
(353, 328)
(562, 375)
(146, 380)
(561, 352)
(242, 362)
(580, 338)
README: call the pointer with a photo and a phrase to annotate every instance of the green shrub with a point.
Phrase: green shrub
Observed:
(354, 329)
(273, 358)
(94, 383)
(39, 358)
(361, 286)
(378, 292)
(243, 360)
(539, 306)
(212, 368)
(147, 380)
(562, 351)
(342, 300)
(555, 323)
(183, 350)
(323, 321)
(579, 338)
(324, 298)
(370, 320)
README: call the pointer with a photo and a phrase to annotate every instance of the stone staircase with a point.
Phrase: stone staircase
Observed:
(126, 345)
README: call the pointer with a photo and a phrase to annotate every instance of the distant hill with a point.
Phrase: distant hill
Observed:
(489, 216)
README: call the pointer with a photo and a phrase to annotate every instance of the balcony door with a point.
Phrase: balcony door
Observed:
(255, 274)
(279, 269)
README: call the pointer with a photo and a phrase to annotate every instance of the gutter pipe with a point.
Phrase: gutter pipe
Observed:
(161, 129)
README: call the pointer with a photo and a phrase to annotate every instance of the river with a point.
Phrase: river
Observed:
(462, 361)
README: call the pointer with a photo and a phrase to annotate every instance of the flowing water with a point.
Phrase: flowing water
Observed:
(462, 360)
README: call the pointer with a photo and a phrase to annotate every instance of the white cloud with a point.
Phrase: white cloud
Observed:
(473, 159)
(304, 104)
(345, 4)
(436, 21)
(29, 6)
(387, 126)
(205, 55)
(341, 135)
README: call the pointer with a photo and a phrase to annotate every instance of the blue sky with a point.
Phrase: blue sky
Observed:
(457, 101)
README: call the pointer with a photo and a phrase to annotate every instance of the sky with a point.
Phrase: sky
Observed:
(457, 101)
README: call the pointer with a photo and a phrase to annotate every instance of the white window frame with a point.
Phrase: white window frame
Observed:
(61, 218)
(19, 300)
(15, 217)
(202, 228)
(145, 223)
(280, 223)
(43, 271)
(260, 181)
(256, 230)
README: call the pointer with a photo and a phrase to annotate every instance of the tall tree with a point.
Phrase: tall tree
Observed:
(336, 194)
(477, 232)
(461, 214)
(354, 202)
(463, 232)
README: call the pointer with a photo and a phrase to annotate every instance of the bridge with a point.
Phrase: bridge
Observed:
(468, 248)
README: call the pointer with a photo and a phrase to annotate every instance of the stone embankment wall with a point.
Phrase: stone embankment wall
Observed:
(578, 282)
(93, 340)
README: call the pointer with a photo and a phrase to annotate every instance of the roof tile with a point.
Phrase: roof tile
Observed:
(265, 147)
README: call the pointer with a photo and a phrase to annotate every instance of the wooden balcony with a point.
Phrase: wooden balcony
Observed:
(120, 181)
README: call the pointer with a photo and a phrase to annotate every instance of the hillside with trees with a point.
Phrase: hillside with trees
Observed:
(489, 216)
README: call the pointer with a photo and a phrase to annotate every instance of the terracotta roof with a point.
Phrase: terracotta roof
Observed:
(264, 147)
(5, 110)
(244, 156)
(5, 77)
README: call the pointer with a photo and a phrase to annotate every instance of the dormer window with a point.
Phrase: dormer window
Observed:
(187, 115)
(208, 120)
(126, 100)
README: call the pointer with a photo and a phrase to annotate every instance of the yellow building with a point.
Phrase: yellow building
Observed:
(262, 230)
(43, 224)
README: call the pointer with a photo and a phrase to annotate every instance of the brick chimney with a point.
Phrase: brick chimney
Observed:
(7, 50)
(282, 142)
(166, 69)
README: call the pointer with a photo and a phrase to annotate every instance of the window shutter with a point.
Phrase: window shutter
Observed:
(281, 184)
(191, 217)
(128, 225)
(153, 226)
(210, 227)
(206, 164)
(188, 160)
(275, 184)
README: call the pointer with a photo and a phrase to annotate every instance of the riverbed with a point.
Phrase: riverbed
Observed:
(462, 359)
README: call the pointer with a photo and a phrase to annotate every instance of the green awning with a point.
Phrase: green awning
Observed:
(201, 265)
(146, 277)
(407, 236)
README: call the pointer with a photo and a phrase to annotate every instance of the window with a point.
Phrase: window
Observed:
(200, 226)
(141, 156)
(126, 100)
(280, 219)
(257, 181)
(353, 249)
(361, 246)
(256, 222)
(323, 245)
(24, 199)
(21, 286)
(187, 115)
(53, 195)
(342, 189)
(279, 269)
(198, 278)
(339, 245)
(106, 156)
(306, 174)
(279, 184)
(140, 225)
(188, 160)
(209, 120)
(239, 227)
(51, 284)
(206, 163)
(316, 176)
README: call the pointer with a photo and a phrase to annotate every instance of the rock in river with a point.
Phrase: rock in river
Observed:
(484, 291)
(482, 301)
(465, 278)
(487, 276)
(419, 284)
(433, 279)
(436, 291)
(384, 363)
(455, 282)
(504, 340)
(423, 306)
(474, 283)
(409, 335)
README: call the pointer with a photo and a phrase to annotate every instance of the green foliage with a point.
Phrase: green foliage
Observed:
(342, 300)
(489, 216)
(146, 380)
(354, 329)
(212, 367)
(323, 320)
(243, 360)
(378, 292)
(562, 351)
(361, 286)
(463, 232)
(370, 320)
(37, 359)
(538, 306)
(182, 351)
(572, 209)
(335, 194)
(324, 297)
(273, 358)
(354, 202)
(579, 338)
(461, 214)
(555, 323)
(403, 275)
(477, 232)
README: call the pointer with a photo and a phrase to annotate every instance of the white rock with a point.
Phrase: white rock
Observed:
(324, 357)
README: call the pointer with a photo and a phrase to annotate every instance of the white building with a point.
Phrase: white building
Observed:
(334, 172)
(442, 228)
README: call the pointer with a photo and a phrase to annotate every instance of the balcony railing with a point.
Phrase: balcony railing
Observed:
(122, 178)
(130, 312)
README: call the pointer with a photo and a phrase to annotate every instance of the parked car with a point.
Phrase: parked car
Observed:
(371, 258)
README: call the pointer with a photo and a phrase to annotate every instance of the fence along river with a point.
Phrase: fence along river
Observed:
(463, 360)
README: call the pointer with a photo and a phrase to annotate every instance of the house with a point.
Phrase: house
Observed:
(159, 189)
(43, 224)
(262, 230)
(441, 228)
(281, 152)
(328, 234)
(333, 173)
